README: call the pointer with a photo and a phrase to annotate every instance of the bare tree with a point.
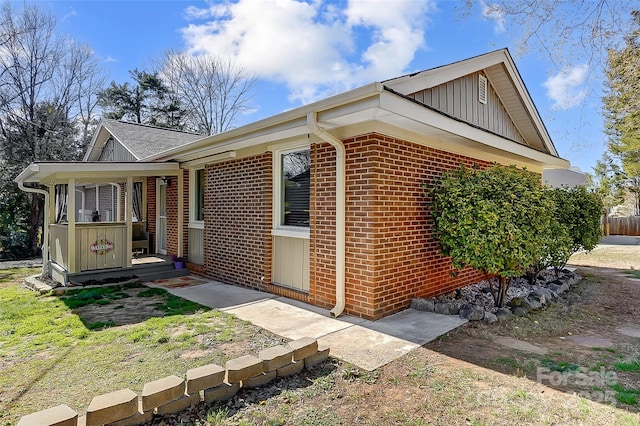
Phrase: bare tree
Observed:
(563, 31)
(214, 90)
(47, 84)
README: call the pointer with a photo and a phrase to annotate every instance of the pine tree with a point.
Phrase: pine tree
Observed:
(622, 107)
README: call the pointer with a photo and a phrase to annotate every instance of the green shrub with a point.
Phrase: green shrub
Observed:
(575, 226)
(495, 220)
(14, 239)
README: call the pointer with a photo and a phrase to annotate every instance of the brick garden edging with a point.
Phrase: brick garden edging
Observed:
(174, 394)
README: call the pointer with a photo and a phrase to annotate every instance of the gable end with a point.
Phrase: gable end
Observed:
(114, 151)
(461, 98)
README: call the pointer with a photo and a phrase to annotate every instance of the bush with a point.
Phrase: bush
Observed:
(14, 240)
(575, 226)
(494, 220)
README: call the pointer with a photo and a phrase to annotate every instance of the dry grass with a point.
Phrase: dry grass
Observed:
(609, 256)
(461, 379)
(52, 350)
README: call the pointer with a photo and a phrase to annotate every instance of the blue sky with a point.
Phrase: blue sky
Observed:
(303, 51)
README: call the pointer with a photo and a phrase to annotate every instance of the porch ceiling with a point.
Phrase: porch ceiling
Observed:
(91, 172)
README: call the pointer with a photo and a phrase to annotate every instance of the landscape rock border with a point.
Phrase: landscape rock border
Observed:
(469, 303)
(173, 394)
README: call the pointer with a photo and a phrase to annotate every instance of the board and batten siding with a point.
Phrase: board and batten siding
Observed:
(114, 151)
(196, 245)
(291, 262)
(460, 98)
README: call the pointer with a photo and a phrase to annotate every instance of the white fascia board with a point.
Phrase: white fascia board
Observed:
(285, 130)
(263, 130)
(115, 137)
(227, 155)
(96, 136)
(53, 172)
(443, 74)
(529, 105)
(357, 111)
(27, 173)
(419, 114)
(437, 76)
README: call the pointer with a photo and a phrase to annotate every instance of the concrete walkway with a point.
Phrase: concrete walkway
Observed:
(366, 344)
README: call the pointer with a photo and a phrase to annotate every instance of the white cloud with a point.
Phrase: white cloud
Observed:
(566, 89)
(70, 14)
(492, 12)
(315, 48)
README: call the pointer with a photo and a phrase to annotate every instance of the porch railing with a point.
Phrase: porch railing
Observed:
(97, 245)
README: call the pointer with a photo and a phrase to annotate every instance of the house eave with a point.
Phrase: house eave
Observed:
(286, 124)
(390, 111)
(60, 172)
(403, 113)
(440, 75)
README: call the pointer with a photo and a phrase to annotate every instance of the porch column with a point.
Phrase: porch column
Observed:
(128, 206)
(180, 212)
(48, 221)
(71, 227)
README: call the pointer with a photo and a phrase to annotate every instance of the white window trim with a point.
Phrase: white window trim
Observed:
(278, 228)
(193, 223)
(291, 232)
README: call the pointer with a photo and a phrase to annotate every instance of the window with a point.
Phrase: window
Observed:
(197, 195)
(295, 188)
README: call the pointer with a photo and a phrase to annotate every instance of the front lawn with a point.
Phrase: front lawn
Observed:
(67, 349)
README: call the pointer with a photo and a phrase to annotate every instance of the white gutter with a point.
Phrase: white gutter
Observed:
(45, 237)
(312, 123)
(267, 125)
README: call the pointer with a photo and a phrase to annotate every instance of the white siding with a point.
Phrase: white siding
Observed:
(459, 98)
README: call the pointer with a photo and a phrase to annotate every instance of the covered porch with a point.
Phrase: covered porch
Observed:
(79, 242)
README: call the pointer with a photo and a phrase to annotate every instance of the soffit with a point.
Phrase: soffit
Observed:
(91, 172)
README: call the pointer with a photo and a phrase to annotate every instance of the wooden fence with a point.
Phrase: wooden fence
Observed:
(629, 225)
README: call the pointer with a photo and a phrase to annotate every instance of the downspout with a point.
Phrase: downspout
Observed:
(45, 236)
(312, 123)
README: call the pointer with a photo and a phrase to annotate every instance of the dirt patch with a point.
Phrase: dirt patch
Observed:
(597, 307)
(129, 310)
(466, 378)
(180, 282)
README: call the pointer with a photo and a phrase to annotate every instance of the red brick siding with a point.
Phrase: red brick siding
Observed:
(172, 216)
(322, 206)
(237, 234)
(185, 214)
(391, 255)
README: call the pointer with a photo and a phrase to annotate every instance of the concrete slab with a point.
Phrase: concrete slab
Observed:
(620, 240)
(366, 348)
(288, 320)
(631, 331)
(220, 296)
(521, 345)
(365, 344)
(416, 326)
(591, 341)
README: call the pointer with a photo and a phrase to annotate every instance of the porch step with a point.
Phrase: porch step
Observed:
(160, 271)
(160, 275)
(159, 268)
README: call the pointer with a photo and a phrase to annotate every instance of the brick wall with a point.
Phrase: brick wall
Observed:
(391, 255)
(172, 216)
(237, 235)
(185, 214)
